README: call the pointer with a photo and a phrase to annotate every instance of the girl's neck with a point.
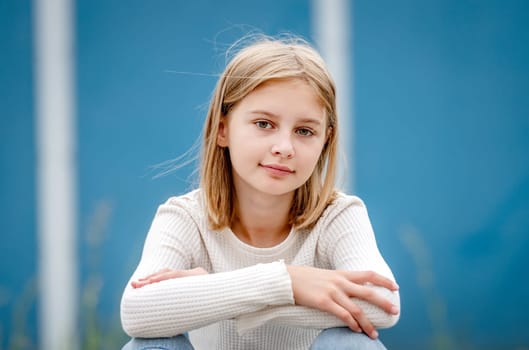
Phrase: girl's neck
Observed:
(262, 222)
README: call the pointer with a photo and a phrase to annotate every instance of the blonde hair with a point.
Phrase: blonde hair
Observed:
(264, 59)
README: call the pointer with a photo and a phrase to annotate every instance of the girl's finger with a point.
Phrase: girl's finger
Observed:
(153, 274)
(169, 274)
(363, 277)
(371, 296)
(152, 278)
(344, 315)
(358, 315)
(193, 272)
(166, 274)
(139, 284)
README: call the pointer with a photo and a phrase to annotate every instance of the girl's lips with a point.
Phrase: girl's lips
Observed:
(277, 169)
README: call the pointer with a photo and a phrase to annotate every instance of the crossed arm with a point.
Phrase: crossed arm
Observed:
(358, 292)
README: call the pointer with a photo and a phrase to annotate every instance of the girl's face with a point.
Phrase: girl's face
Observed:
(275, 136)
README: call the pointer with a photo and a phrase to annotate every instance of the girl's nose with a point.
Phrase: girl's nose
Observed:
(283, 148)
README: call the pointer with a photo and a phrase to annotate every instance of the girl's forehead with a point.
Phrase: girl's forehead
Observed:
(288, 91)
(282, 81)
(281, 98)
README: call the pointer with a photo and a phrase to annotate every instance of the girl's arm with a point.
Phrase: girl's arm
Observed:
(334, 297)
(304, 316)
(173, 306)
(177, 305)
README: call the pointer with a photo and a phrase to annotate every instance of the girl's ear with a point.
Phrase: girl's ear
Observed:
(222, 135)
(329, 132)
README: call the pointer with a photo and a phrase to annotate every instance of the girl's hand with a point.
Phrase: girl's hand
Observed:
(166, 274)
(332, 290)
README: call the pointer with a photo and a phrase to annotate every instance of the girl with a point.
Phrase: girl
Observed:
(266, 254)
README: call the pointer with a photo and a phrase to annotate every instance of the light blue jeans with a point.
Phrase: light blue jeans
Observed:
(328, 339)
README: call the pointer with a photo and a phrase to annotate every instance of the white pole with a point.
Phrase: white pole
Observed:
(56, 174)
(333, 30)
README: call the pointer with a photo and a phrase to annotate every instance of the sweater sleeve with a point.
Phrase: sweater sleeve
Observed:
(302, 316)
(174, 306)
(347, 243)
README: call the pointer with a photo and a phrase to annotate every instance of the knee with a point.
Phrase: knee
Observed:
(179, 342)
(345, 339)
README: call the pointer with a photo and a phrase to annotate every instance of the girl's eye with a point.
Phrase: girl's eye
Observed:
(263, 124)
(304, 132)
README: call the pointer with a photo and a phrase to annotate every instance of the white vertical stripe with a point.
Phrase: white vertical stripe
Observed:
(56, 173)
(333, 30)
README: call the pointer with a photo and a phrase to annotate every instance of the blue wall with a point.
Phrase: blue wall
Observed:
(18, 245)
(441, 151)
(443, 163)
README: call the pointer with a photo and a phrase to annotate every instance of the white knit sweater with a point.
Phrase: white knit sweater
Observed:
(246, 300)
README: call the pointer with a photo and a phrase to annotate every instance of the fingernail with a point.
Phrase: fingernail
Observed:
(394, 310)
(395, 286)
(374, 334)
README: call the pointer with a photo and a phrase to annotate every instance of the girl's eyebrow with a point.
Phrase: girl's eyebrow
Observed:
(313, 121)
(305, 120)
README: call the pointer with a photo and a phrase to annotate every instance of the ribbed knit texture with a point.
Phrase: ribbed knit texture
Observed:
(246, 300)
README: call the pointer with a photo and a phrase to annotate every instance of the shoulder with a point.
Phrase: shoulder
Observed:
(345, 218)
(180, 219)
(189, 205)
(345, 224)
(343, 206)
(191, 200)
